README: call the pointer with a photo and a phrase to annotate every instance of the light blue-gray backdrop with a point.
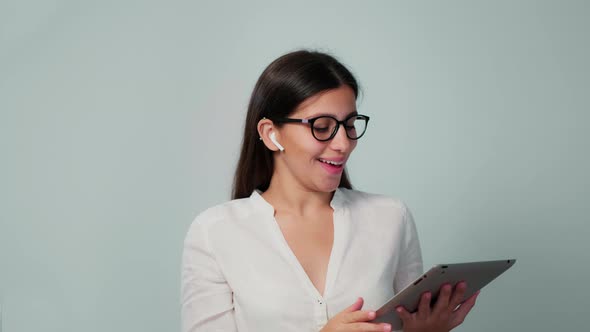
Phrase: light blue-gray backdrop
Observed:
(121, 120)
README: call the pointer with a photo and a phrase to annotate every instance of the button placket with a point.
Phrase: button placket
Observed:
(321, 313)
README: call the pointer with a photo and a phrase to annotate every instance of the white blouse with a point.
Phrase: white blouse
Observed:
(239, 274)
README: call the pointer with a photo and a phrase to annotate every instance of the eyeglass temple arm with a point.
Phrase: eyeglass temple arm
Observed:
(292, 120)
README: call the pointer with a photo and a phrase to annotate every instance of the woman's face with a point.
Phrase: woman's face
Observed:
(307, 161)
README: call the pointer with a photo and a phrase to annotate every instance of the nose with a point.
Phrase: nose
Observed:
(341, 142)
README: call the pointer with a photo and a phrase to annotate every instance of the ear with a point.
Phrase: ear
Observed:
(265, 128)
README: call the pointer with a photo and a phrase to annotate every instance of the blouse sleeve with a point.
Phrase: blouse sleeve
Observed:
(206, 297)
(410, 263)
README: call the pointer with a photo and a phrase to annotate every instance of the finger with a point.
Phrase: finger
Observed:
(370, 327)
(385, 327)
(404, 315)
(359, 316)
(464, 309)
(458, 295)
(443, 299)
(424, 306)
(357, 305)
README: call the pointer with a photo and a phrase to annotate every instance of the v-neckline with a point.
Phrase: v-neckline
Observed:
(296, 263)
(333, 261)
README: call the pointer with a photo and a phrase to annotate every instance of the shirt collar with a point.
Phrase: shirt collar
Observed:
(338, 200)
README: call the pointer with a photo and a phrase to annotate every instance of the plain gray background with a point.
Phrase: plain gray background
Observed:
(121, 120)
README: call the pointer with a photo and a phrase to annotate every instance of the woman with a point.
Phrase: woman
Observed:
(297, 249)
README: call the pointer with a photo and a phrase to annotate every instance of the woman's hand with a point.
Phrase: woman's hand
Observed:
(353, 319)
(442, 317)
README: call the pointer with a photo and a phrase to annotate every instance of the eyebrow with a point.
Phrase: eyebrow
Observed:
(355, 112)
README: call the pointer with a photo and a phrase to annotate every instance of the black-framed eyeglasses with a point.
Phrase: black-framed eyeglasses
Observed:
(325, 127)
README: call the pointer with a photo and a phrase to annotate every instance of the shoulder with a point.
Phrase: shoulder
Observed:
(219, 216)
(236, 208)
(361, 199)
(378, 208)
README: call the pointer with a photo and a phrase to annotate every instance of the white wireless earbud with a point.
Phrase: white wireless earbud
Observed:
(273, 138)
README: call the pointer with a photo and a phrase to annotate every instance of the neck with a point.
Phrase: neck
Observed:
(289, 196)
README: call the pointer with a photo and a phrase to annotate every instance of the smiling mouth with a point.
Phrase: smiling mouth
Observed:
(333, 163)
(334, 168)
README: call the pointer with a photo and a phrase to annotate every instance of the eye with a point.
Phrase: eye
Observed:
(323, 125)
(350, 124)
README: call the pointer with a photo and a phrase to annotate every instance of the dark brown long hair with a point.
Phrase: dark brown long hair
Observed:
(282, 86)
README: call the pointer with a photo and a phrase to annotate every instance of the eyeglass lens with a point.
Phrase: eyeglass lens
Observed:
(324, 127)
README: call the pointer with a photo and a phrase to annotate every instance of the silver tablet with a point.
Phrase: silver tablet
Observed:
(475, 274)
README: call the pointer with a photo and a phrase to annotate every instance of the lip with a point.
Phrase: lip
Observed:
(336, 160)
(333, 169)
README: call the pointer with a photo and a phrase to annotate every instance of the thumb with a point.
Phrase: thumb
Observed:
(357, 305)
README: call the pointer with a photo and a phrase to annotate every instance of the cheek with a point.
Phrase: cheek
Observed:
(316, 150)
(307, 148)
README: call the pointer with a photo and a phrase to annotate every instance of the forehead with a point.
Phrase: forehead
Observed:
(338, 102)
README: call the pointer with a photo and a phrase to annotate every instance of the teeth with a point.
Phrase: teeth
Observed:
(332, 162)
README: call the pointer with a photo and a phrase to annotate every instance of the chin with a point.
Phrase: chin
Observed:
(328, 187)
